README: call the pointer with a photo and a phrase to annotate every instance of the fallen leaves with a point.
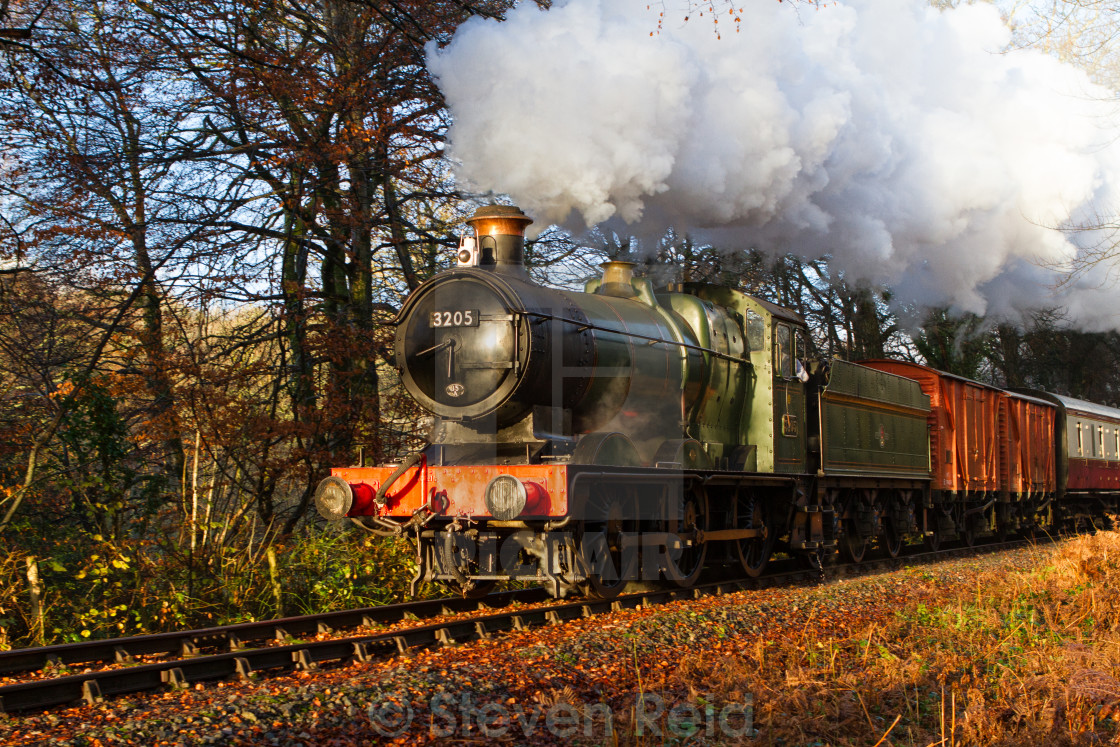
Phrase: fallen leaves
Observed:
(833, 663)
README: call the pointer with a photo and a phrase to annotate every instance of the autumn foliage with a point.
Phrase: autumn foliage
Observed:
(210, 214)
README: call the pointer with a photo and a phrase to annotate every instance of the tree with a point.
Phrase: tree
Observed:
(327, 115)
(278, 157)
(953, 343)
(98, 197)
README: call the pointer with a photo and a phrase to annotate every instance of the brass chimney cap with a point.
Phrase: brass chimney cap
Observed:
(499, 220)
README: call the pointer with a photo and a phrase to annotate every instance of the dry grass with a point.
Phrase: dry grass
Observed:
(1026, 658)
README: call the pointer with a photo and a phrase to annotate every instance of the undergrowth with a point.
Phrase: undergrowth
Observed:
(93, 587)
(1026, 658)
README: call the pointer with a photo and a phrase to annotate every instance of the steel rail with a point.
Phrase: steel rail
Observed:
(241, 635)
(93, 687)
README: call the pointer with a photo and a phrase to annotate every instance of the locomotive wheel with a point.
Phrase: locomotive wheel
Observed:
(892, 539)
(691, 517)
(754, 552)
(610, 567)
(855, 545)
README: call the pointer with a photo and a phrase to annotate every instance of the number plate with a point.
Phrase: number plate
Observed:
(459, 318)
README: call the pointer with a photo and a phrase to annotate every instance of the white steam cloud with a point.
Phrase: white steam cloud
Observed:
(895, 137)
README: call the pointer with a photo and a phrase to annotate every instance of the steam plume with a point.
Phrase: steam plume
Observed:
(895, 137)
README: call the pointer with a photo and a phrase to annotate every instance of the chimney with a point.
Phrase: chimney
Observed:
(500, 231)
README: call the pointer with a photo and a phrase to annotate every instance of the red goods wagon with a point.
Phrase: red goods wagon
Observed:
(965, 448)
(1029, 427)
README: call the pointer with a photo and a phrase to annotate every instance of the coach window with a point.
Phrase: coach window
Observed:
(1080, 441)
(783, 352)
(1100, 442)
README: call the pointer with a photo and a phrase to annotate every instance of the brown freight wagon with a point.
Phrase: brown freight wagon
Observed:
(992, 459)
(1030, 476)
(1028, 426)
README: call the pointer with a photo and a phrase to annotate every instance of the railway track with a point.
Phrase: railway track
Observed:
(230, 651)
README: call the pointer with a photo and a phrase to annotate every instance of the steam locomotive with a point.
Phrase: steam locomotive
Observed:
(630, 434)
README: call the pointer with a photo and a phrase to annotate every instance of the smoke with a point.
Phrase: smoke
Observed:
(895, 137)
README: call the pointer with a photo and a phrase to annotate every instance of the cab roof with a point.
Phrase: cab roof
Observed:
(776, 311)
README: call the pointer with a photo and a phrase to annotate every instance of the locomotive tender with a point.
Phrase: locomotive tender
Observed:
(588, 441)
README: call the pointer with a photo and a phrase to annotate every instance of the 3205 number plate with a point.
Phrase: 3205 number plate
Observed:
(458, 318)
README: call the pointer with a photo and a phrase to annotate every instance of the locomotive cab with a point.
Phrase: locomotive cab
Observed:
(755, 416)
(787, 400)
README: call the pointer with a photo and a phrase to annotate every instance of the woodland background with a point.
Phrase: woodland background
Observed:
(209, 214)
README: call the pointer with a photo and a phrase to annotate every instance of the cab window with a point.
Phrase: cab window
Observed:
(754, 329)
(801, 355)
(783, 351)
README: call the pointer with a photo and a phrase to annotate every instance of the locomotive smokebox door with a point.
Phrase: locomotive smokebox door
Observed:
(459, 348)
